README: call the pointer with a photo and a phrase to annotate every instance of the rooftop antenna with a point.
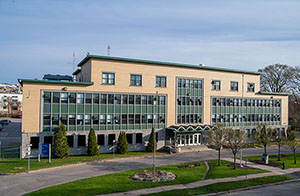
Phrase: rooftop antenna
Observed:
(108, 50)
(73, 61)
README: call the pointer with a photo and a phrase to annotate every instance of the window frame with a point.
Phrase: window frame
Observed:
(134, 82)
(108, 79)
(253, 87)
(213, 85)
(231, 87)
(160, 82)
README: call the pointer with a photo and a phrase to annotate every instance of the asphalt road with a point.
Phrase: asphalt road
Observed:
(289, 189)
(24, 183)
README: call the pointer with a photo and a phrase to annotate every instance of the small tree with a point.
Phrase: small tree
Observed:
(279, 139)
(235, 139)
(216, 139)
(151, 142)
(92, 148)
(60, 144)
(262, 136)
(292, 142)
(122, 146)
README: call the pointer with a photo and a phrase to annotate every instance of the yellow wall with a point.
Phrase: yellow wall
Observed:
(122, 70)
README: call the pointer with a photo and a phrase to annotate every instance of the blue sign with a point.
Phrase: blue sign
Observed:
(45, 149)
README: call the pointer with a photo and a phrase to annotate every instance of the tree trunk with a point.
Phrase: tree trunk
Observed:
(234, 158)
(219, 156)
(295, 160)
(279, 153)
(265, 148)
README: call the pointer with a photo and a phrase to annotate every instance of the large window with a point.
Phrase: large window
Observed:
(135, 80)
(108, 78)
(81, 140)
(103, 111)
(234, 86)
(111, 139)
(34, 141)
(138, 138)
(189, 101)
(101, 139)
(216, 85)
(161, 81)
(250, 87)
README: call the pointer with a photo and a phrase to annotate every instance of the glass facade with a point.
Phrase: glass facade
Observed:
(245, 112)
(189, 101)
(81, 111)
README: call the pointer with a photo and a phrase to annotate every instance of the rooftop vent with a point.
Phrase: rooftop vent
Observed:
(58, 77)
(201, 65)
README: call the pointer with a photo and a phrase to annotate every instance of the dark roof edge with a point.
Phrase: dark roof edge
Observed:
(164, 63)
(76, 71)
(54, 82)
(273, 93)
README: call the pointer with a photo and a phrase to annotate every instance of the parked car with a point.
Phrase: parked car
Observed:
(5, 122)
(1, 127)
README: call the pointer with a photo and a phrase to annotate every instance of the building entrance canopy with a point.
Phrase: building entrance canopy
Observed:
(187, 135)
(189, 128)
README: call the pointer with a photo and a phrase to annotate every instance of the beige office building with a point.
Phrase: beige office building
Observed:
(113, 94)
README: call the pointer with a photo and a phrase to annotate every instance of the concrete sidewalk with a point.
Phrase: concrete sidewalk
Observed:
(273, 172)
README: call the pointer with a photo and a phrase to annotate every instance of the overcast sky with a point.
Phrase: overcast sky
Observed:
(39, 37)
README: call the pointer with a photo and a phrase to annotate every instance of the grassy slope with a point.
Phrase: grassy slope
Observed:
(224, 186)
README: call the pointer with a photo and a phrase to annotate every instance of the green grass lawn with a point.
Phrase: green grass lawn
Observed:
(224, 186)
(20, 165)
(224, 171)
(289, 160)
(120, 182)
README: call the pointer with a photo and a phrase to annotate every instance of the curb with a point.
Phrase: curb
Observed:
(252, 187)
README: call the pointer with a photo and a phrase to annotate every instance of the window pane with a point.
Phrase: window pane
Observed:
(55, 97)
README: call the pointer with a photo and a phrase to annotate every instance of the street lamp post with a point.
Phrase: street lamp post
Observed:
(243, 77)
(153, 127)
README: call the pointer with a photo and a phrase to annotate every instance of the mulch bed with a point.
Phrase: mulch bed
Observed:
(238, 166)
(271, 163)
(189, 166)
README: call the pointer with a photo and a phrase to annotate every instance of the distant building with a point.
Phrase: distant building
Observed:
(10, 104)
(113, 94)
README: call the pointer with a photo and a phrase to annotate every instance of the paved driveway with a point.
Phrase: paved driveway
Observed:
(23, 183)
(11, 133)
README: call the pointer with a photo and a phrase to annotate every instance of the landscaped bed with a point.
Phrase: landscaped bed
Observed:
(120, 182)
(273, 160)
(224, 186)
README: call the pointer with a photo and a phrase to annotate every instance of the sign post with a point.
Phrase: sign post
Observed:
(28, 153)
(49, 161)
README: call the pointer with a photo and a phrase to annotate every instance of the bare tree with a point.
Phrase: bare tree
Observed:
(262, 136)
(216, 139)
(276, 78)
(292, 142)
(235, 139)
(279, 138)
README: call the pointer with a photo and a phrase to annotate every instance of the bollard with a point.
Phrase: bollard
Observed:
(283, 165)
